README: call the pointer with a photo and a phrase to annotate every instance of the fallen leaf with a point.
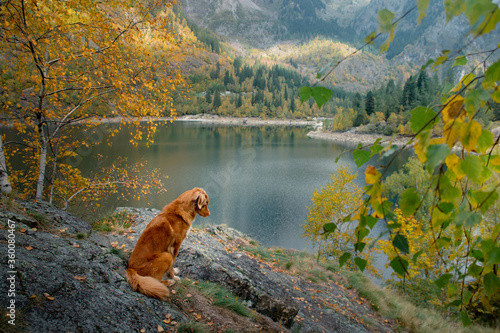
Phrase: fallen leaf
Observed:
(29, 248)
(76, 245)
(166, 321)
(189, 295)
(173, 292)
(47, 296)
(63, 230)
(81, 278)
(160, 329)
(22, 230)
(143, 330)
(33, 296)
(168, 315)
(131, 237)
(34, 229)
(173, 323)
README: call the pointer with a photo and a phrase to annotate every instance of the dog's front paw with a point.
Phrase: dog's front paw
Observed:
(169, 282)
(176, 271)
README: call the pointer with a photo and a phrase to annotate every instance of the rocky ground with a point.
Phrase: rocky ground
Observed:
(69, 278)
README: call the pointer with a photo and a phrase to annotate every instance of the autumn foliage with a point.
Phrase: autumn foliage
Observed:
(455, 243)
(66, 64)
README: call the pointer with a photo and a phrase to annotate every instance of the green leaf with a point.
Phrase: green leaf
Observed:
(416, 255)
(436, 154)
(385, 45)
(472, 166)
(476, 11)
(475, 270)
(369, 39)
(422, 6)
(361, 233)
(376, 147)
(483, 16)
(305, 94)
(367, 220)
(442, 242)
(477, 254)
(360, 156)
(385, 18)
(491, 283)
(494, 256)
(400, 242)
(344, 258)
(443, 280)
(460, 61)
(485, 141)
(468, 219)
(361, 263)
(328, 228)
(420, 117)
(399, 265)
(492, 74)
(453, 8)
(446, 207)
(483, 199)
(321, 95)
(465, 318)
(360, 246)
(341, 153)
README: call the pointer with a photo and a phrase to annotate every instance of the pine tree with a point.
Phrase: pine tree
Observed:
(217, 100)
(208, 97)
(370, 103)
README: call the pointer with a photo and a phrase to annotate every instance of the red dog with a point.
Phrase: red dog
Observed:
(156, 250)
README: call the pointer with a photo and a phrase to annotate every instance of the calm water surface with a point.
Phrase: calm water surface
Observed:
(259, 179)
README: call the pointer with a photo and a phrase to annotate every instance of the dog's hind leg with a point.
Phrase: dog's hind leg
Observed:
(160, 264)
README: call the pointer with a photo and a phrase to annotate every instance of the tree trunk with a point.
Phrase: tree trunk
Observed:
(42, 163)
(5, 186)
(41, 169)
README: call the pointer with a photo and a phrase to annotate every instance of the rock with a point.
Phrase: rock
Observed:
(204, 257)
(67, 284)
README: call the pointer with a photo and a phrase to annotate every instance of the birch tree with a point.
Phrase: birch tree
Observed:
(69, 62)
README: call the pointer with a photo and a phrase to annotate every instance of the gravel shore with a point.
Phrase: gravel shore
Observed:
(356, 138)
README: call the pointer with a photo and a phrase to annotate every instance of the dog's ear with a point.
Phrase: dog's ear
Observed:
(199, 198)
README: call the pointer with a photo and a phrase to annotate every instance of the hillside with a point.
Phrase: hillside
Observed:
(69, 277)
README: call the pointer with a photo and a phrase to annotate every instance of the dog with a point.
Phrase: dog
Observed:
(157, 248)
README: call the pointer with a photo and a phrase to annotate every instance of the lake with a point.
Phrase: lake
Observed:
(259, 179)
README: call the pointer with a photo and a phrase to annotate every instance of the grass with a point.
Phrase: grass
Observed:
(414, 318)
(223, 298)
(192, 327)
(41, 218)
(297, 262)
(115, 222)
(386, 301)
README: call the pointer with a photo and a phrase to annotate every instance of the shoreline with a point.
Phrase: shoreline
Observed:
(357, 138)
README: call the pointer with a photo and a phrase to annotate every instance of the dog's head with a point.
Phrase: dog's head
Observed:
(200, 201)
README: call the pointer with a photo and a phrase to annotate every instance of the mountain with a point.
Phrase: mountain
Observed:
(264, 23)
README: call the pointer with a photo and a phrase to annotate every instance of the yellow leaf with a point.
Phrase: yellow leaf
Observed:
(371, 175)
(469, 135)
(454, 109)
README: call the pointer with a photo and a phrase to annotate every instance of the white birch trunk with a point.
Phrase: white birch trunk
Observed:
(5, 186)
(41, 168)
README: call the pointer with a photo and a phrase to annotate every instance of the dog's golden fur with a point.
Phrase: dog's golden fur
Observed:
(155, 252)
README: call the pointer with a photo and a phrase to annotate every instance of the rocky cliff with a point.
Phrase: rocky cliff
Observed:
(68, 278)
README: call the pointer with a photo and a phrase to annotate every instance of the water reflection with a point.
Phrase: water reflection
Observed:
(260, 179)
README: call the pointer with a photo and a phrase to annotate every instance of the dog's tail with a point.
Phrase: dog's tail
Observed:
(147, 285)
